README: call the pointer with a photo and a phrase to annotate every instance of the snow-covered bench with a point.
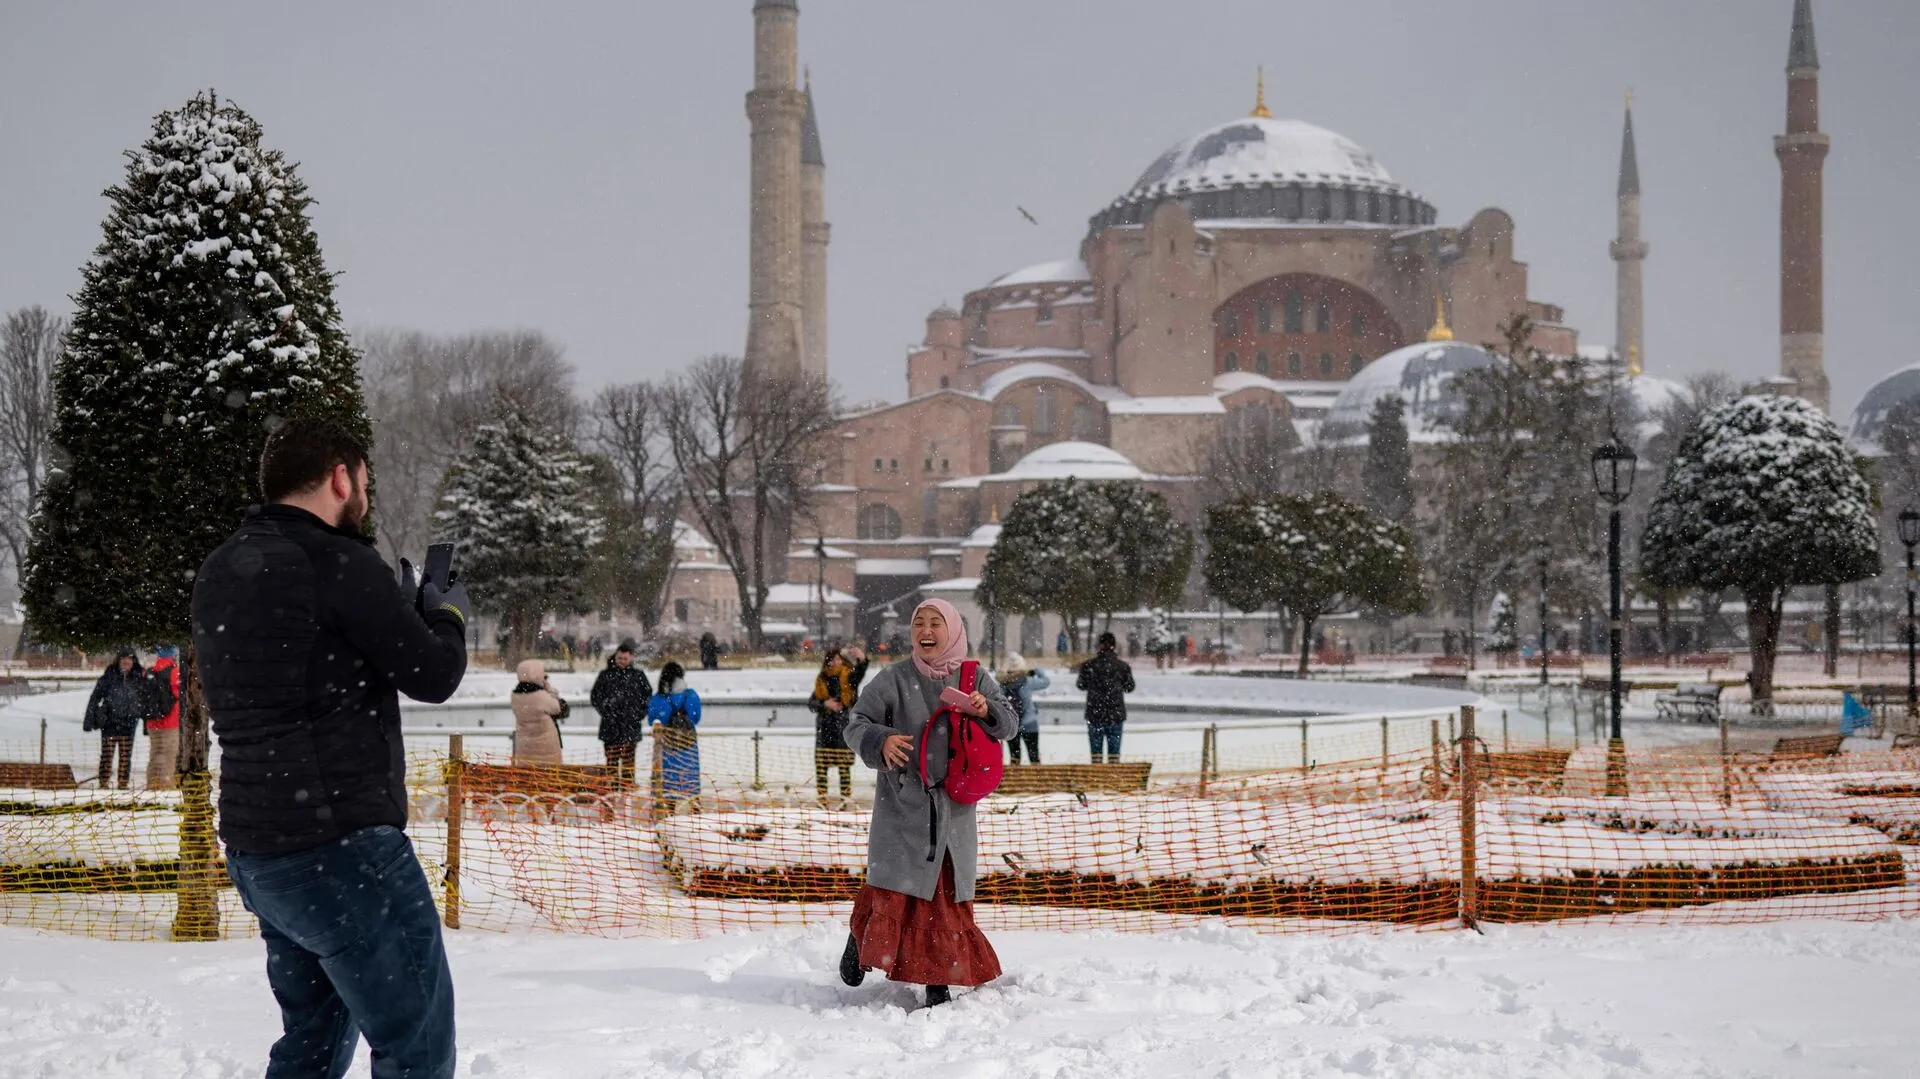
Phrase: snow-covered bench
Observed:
(1690, 702)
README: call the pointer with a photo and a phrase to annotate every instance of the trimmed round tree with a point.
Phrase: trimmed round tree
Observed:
(205, 317)
(526, 519)
(1315, 555)
(1762, 495)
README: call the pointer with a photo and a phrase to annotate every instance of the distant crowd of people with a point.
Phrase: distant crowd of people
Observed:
(129, 699)
(628, 706)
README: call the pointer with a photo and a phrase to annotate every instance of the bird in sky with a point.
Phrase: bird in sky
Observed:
(1030, 218)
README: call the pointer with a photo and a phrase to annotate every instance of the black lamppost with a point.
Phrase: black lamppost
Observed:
(1909, 522)
(1613, 466)
(1543, 620)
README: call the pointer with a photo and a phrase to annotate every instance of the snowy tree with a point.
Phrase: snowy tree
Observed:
(521, 511)
(1387, 476)
(629, 432)
(1159, 632)
(1314, 555)
(1763, 495)
(30, 344)
(750, 450)
(205, 317)
(1083, 549)
(1503, 625)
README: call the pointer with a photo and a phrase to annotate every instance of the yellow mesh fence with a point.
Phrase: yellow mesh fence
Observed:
(1286, 827)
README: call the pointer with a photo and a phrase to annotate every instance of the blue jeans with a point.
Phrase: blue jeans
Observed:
(1104, 738)
(353, 949)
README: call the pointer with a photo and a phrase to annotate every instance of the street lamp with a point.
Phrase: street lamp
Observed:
(1909, 523)
(1613, 466)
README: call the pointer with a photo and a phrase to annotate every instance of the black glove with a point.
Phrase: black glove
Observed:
(452, 599)
(410, 583)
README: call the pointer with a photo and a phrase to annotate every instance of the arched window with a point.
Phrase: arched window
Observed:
(1326, 364)
(1261, 364)
(1233, 361)
(1006, 415)
(943, 382)
(1354, 363)
(1086, 423)
(1230, 323)
(1296, 312)
(1043, 418)
(1265, 315)
(1293, 365)
(1359, 328)
(879, 522)
(1322, 316)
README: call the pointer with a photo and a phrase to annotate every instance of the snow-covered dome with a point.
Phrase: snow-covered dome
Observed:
(1422, 375)
(1045, 273)
(1260, 167)
(1080, 460)
(1870, 415)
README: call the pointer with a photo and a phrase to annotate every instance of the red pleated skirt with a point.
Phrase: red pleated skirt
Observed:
(925, 942)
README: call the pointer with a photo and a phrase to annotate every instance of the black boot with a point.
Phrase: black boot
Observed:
(938, 994)
(850, 971)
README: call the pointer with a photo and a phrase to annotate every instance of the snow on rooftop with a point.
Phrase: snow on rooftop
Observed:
(1255, 150)
(952, 584)
(1023, 372)
(688, 538)
(1046, 272)
(1077, 460)
(893, 567)
(985, 536)
(1166, 406)
(1422, 374)
(788, 594)
(832, 552)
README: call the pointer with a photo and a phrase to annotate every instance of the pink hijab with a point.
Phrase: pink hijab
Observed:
(949, 660)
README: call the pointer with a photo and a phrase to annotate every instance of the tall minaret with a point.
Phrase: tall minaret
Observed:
(776, 108)
(1802, 152)
(1628, 250)
(814, 232)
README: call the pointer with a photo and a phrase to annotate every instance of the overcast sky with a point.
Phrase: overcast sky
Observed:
(581, 167)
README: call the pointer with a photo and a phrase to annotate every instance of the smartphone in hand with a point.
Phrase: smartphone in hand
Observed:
(956, 699)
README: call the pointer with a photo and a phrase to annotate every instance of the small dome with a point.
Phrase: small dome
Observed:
(942, 314)
(1079, 460)
(1259, 167)
(1421, 374)
(1870, 415)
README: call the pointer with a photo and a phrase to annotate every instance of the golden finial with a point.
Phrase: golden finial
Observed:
(1440, 330)
(1629, 99)
(1260, 110)
(993, 514)
(1633, 359)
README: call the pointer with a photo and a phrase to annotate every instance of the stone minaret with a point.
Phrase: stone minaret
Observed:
(1802, 152)
(814, 232)
(777, 109)
(1628, 250)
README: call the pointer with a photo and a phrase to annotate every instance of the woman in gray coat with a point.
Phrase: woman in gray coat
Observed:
(914, 917)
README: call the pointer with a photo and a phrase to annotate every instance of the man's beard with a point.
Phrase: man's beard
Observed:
(354, 513)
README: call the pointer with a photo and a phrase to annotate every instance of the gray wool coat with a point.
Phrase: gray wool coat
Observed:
(915, 829)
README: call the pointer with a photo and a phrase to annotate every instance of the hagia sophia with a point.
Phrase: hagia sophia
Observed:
(1263, 273)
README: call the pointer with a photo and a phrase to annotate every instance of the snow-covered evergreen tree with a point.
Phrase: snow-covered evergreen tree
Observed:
(1762, 495)
(1159, 632)
(205, 316)
(1087, 548)
(1387, 476)
(1503, 625)
(521, 509)
(1314, 555)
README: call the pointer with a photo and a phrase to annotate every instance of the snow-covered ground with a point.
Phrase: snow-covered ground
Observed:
(1786, 999)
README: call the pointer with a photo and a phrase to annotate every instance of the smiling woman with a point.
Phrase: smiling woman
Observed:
(914, 917)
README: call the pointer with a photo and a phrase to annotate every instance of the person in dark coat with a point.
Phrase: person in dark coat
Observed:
(709, 652)
(835, 691)
(1107, 679)
(122, 700)
(621, 695)
(305, 642)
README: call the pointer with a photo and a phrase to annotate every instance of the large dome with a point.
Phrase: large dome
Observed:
(1259, 167)
(1423, 376)
(1870, 415)
(1079, 460)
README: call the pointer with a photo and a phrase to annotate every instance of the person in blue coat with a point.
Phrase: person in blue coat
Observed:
(675, 715)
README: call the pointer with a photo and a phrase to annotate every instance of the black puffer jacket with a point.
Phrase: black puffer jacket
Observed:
(303, 638)
(620, 695)
(121, 700)
(1107, 679)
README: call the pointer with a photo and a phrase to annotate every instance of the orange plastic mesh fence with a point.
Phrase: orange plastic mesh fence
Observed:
(1249, 826)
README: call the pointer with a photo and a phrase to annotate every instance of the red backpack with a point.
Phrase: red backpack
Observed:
(975, 761)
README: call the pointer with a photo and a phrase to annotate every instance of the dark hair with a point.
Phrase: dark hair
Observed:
(672, 673)
(829, 656)
(1107, 642)
(301, 453)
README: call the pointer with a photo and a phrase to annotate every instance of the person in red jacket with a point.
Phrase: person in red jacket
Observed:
(163, 732)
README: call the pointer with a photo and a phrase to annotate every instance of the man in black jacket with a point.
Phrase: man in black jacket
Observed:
(1107, 679)
(304, 642)
(621, 695)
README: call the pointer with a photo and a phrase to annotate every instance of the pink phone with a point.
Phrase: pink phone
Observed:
(955, 698)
